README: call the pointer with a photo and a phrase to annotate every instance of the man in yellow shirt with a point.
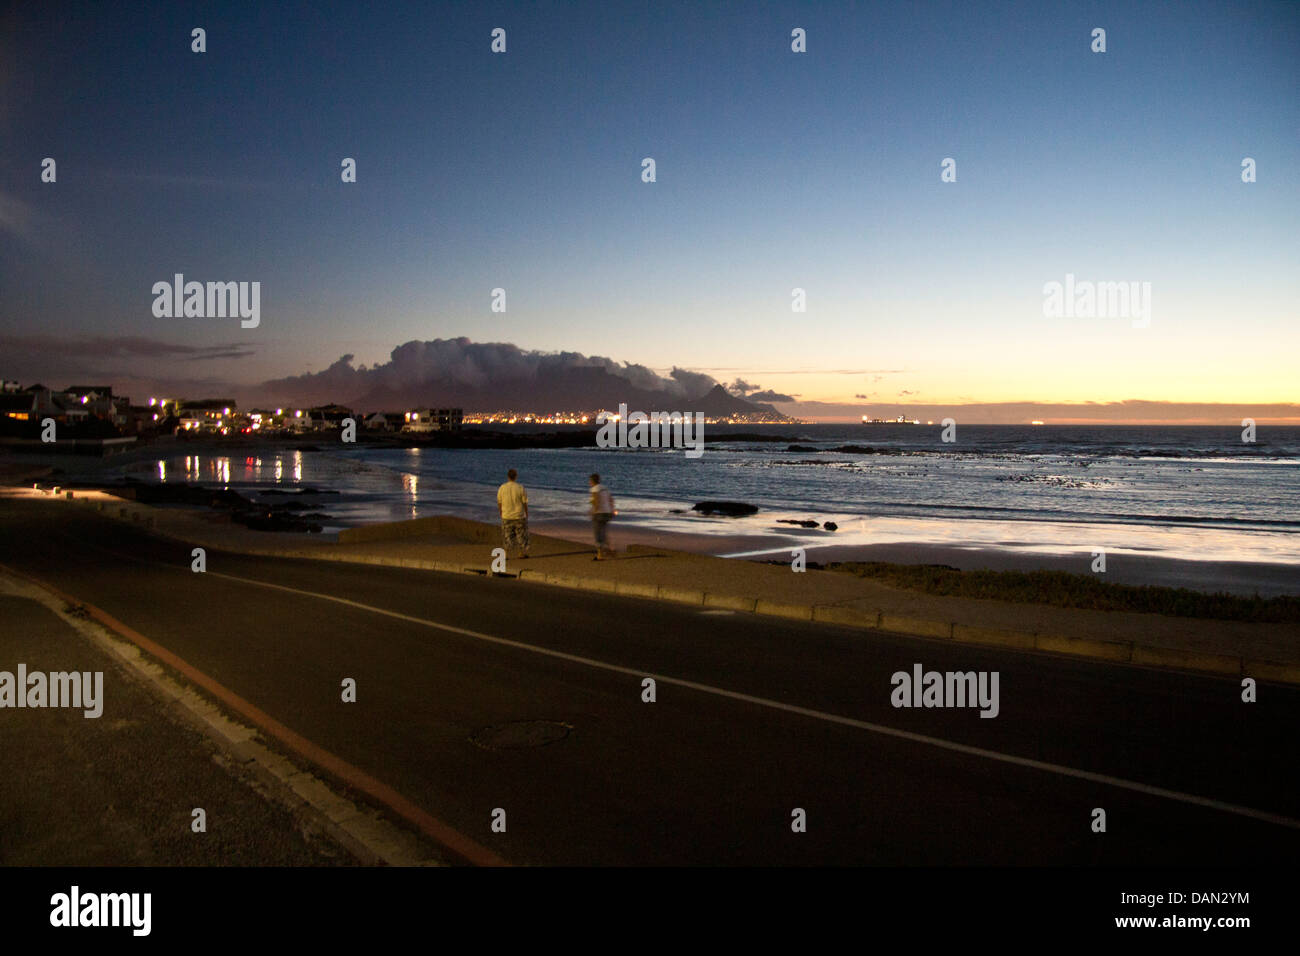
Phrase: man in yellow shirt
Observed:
(512, 504)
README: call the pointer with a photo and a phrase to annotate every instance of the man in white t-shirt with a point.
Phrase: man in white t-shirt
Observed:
(602, 510)
(512, 505)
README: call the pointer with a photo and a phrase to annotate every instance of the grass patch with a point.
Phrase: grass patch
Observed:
(1062, 589)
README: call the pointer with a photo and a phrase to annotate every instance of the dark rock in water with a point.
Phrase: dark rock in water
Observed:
(730, 509)
(830, 526)
(163, 493)
(677, 511)
(285, 516)
(809, 523)
(799, 448)
(267, 521)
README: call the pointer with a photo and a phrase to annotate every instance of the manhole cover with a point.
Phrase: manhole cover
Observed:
(521, 733)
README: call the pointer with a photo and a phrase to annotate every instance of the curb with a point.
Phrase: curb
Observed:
(796, 612)
(731, 602)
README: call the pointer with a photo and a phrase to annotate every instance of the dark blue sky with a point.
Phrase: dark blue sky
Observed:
(775, 170)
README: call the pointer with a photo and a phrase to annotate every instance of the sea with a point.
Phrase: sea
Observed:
(1190, 492)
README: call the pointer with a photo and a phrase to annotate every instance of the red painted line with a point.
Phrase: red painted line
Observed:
(462, 846)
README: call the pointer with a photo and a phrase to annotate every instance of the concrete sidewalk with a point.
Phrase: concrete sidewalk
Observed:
(120, 789)
(1263, 651)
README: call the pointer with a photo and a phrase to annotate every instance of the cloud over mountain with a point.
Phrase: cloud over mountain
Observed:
(487, 376)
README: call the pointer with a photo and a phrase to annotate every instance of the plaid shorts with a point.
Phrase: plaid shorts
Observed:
(514, 533)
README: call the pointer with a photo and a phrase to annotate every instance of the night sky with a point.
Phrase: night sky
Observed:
(775, 170)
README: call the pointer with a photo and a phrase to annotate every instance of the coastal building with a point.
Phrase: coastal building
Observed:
(324, 417)
(433, 420)
(89, 393)
(207, 415)
(70, 406)
(386, 421)
(420, 420)
(71, 410)
(45, 406)
(19, 406)
(84, 402)
(141, 418)
(121, 414)
(264, 420)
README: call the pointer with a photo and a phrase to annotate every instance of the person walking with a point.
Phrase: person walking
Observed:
(602, 510)
(512, 505)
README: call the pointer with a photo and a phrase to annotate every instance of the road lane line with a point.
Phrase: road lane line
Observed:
(1058, 769)
(463, 846)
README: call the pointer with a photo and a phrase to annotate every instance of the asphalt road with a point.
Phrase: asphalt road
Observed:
(707, 774)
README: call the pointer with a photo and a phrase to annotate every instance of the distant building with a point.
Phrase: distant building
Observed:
(207, 415)
(209, 408)
(141, 418)
(84, 402)
(19, 406)
(433, 420)
(95, 406)
(265, 420)
(83, 393)
(328, 416)
(73, 411)
(45, 405)
(122, 406)
(386, 421)
(420, 420)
